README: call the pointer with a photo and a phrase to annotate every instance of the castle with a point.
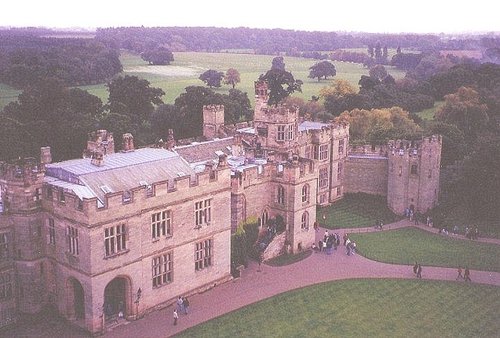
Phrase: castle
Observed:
(131, 230)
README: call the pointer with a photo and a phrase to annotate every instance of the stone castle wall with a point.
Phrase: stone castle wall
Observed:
(366, 174)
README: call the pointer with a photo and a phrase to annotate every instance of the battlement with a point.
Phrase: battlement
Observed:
(22, 170)
(414, 148)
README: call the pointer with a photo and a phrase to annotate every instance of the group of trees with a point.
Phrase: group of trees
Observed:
(25, 59)
(214, 78)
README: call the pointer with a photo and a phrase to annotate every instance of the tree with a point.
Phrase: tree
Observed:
(377, 126)
(466, 111)
(281, 84)
(232, 77)
(133, 97)
(158, 56)
(378, 72)
(212, 78)
(49, 114)
(370, 51)
(322, 69)
(278, 63)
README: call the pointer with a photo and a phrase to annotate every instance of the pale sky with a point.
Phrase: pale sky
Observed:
(394, 16)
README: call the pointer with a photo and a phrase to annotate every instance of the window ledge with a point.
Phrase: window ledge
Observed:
(117, 254)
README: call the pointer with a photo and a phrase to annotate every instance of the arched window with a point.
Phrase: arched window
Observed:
(305, 193)
(264, 218)
(304, 224)
(280, 195)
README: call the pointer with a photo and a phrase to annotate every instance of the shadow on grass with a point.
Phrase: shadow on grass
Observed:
(288, 259)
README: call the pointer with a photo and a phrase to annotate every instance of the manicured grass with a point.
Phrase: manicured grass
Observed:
(407, 245)
(366, 308)
(250, 67)
(289, 259)
(428, 114)
(356, 211)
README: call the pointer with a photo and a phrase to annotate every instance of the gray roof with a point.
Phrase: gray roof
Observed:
(205, 151)
(120, 172)
(307, 125)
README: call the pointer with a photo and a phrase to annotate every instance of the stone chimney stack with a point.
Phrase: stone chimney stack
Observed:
(97, 159)
(170, 140)
(222, 161)
(100, 140)
(45, 155)
(128, 142)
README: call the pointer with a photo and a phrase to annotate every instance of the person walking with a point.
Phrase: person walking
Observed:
(419, 271)
(415, 268)
(186, 305)
(467, 275)
(176, 316)
(459, 271)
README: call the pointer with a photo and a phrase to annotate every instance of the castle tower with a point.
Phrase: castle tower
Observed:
(213, 121)
(413, 178)
(21, 184)
(276, 126)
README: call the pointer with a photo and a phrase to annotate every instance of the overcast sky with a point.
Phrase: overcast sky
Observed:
(419, 16)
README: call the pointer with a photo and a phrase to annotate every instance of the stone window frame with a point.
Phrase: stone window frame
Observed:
(323, 152)
(162, 269)
(414, 169)
(340, 169)
(341, 147)
(280, 194)
(281, 132)
(5, 286)
(203, 212)
(73, 241)
(304, 221)
(203, 254)
(4, 246)
(115, 240)
(306, 191)
(161, 224)
(51, 233)
(323, 177)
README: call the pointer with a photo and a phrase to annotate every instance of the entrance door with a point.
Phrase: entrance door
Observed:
(78, 300)
(114, 297)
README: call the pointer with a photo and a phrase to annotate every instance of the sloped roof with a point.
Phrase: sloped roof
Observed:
(306, 125)
(204, 151)
(120, 172)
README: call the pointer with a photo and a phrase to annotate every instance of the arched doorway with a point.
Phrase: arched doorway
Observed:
(116, 297)
(264, 218)
(76, 299)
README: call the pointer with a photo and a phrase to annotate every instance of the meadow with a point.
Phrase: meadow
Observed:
(188, 66)
(407, 245)
(366, 308)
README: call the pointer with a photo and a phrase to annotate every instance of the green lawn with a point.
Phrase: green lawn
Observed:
(366, 308)
(407, 245)
(428, 114)
(356, 211)
(188, 66)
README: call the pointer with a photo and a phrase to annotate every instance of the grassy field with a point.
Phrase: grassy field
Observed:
(356, 211)
(405, 246)
(366, 308)
(188, 66)
(428, 114)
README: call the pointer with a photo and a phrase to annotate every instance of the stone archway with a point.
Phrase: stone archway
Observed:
(117, 297)
(76, 299)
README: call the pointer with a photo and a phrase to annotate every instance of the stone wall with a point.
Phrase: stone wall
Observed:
(367, 174)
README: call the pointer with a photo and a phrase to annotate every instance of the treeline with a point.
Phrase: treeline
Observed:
(27, 58)
(267, 41)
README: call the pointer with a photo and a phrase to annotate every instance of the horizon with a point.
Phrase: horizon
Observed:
(382, 17)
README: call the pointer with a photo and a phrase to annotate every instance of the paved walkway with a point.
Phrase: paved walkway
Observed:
(254, 285)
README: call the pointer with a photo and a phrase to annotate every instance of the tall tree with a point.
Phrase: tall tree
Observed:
(465, 109)
(232, 77)
(212, 78)
(280, 82)
(322, 69)
(378, 72)
(158, 56)
(133, 97)
(278, 63)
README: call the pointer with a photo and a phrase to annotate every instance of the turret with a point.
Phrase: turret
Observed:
(213, 121)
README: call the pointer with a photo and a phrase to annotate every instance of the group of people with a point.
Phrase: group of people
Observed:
(472, 233)
(331, 241)
(417, 270)
(182, 307)
(465, 276)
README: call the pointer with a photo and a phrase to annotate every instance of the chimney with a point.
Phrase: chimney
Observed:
(222, 161)
(97, 159)
(45, 155)
(128, 142)
(170, 140)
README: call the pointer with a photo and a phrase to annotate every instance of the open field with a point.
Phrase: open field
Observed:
(188, 66)
(428, 114)
(407, 245)
(366, 308)
(355, 211)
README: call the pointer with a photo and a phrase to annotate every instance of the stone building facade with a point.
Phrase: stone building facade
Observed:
(133, 230)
